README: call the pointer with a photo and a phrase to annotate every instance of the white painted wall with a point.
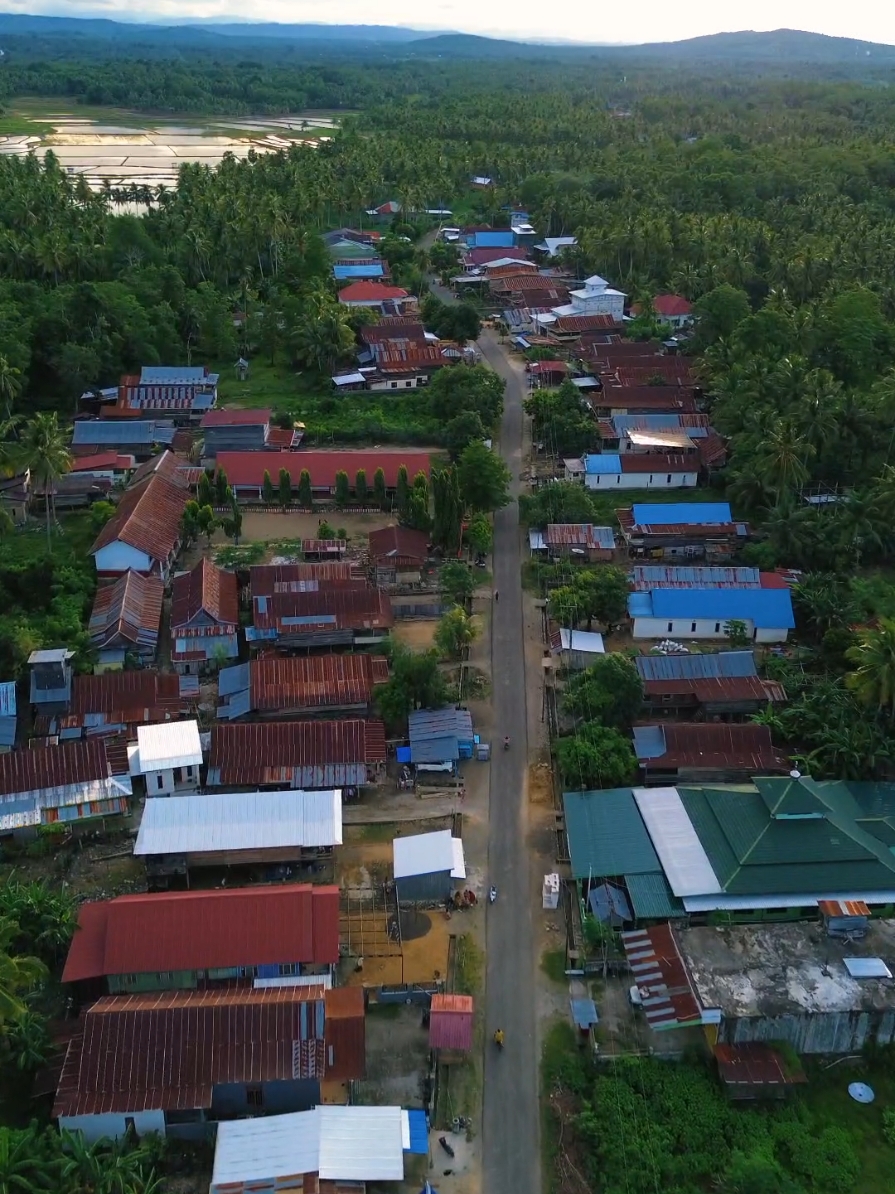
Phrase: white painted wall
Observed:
(661, 480)
(119, 557)
(400, 383)
(684, 628)
(599, 303)
(163, 783)
(112, 1127)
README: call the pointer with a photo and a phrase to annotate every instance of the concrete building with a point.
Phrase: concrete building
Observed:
(616, 471)
(50, 679)
(168, 756)
(766, 614)
(793, 983)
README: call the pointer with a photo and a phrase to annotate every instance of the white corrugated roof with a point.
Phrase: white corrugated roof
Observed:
(684, 861)
(459, 868)
(240, 821)
(169, 744)
(338, 1143)
(589, 643)
(425, 854)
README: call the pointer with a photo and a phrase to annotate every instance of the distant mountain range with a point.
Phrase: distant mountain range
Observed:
(782, 46)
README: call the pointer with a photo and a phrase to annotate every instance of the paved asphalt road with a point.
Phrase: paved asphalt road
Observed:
(511, 1120)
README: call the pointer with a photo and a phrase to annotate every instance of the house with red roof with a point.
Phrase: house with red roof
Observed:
(178, 1062)
(126, 618)
(245, 470)
(204, 939)
(376, 296)
(204, 618)
(144, 533)
(671, 309)
(104, 466)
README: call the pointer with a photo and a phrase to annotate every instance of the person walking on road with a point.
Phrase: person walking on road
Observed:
(496, 596)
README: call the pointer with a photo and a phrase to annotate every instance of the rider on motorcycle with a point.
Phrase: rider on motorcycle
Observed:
(498, 1037)
(506, 742)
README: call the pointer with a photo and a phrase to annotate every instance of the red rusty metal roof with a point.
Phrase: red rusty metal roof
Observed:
(403, 356)
(256, 752)
(315, 681)
(547, 367)
(710, 690)
(724, 746)
(168, 1050)
(658, 462)
(112, 692)
(843, 908)
(59, 766)
(238, 417)
(346, 1041)
(205, 930)
(267, 579)
(645, 398)
(102, 462)
(130, 609)
(248, 468)
(206, 588)
(755, 1064)
(399, 544)
(370, 292)
(352, 608)
(671, 369)
(451, 1019)
(400, 328)
(576, 534)
(147, 519)
(661, 976)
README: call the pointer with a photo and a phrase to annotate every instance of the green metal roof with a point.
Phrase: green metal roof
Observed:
(652, 898)
(607, 835)
(796, 835)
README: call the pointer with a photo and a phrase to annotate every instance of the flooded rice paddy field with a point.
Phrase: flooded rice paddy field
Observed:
(152, 155)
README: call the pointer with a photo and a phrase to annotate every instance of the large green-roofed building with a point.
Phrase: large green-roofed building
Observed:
(607, 835)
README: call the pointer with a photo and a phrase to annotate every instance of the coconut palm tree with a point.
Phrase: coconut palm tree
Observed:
(10, 385)
(18, 975)
(44, 451)
(873, 680)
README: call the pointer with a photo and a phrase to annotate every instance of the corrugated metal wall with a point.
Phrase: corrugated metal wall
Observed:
(425, 888)
(825, 1032)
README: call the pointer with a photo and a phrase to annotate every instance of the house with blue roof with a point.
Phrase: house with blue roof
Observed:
(681, 530)
(611, 470)
(359, 271)
(705, 613)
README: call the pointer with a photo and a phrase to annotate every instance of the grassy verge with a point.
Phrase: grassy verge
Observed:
(553, 964)
(72, 538)
(558, 1053)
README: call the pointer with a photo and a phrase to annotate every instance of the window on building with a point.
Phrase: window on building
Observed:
(408, 383)
(692, 627)
(717, 628)
(668, 479)
(394, 385)
(255, 1096)
(670, 627)
(288, 969)
(160, 782)
(178, 775)
(189, 772)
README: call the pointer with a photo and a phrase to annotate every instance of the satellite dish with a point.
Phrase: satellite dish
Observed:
(861, 1092)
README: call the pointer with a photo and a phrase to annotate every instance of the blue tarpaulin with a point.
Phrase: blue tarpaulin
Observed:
(403, 754)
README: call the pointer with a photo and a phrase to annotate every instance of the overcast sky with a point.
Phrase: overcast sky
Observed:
(580, 20)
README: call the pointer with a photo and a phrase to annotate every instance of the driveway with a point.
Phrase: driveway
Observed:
(512, 1161)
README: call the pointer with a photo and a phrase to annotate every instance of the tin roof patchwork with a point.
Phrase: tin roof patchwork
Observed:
(129, 611)
(295, 753)
(206, 589)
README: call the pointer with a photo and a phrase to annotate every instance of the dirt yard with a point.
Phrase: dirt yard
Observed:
(265, 526)
(397, 1056)
(419, 635)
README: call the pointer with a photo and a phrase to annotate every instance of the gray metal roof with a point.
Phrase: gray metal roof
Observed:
(427, 724)
(125, 431)
(169, 375)
(696, 667)
(240, 821)
(649, 742)
(607, 835)
(233, 679)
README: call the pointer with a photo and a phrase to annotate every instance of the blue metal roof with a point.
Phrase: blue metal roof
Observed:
(233, 679)
(584, 1013)
(111, 431)
(696, 667)
(435, 750)
(764, 608)
(606, 900)
(687, 513)
(419, 1133)
(649, 742)
(428, 724)
(608, 462)
(502, 239)
(373, 270)
(640, 605)
(7, 732)
(8, 698)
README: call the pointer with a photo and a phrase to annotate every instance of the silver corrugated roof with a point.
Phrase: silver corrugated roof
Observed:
(240, 821)
(166, 745)
(727, 664)
(338, 1143)
(684, 861)
(428, 854)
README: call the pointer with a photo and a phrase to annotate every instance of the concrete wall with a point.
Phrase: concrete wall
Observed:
(165, 783)
(820, 1032)
(276, 1098)
(112, 1127)
(658, 480)
(684, 628)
